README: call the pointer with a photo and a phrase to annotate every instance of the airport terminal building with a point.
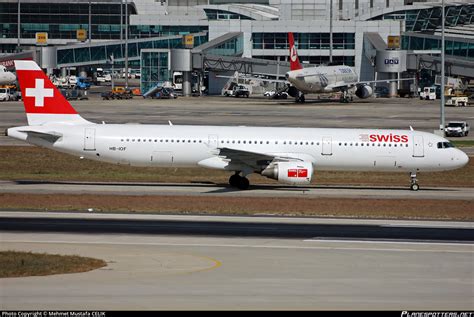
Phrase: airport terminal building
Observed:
(359, 29)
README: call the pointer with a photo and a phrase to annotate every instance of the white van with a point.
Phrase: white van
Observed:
(428, 93)
(5, 94)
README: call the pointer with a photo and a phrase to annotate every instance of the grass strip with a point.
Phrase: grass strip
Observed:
(22, 264)
(278, 206)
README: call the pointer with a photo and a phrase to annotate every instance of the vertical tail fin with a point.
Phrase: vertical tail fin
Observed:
(43, 102)
(294, 60)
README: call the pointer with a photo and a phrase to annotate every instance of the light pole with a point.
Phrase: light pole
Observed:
(90, 23)
(126, 44)
(19, 25)
(330, 32)
(442, 115)
(121, 20)
(112, 60)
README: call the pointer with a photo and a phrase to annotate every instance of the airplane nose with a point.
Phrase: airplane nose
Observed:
(462, 158)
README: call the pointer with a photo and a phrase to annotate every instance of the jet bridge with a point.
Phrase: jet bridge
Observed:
(223, 56)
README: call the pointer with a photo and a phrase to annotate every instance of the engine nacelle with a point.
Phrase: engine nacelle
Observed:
(292, 91)
(364, 91)
(293, 173)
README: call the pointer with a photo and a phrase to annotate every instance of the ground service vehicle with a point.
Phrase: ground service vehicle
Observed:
(5, 94)
(457, 128)
(117, 92)
(83, 83)
(428, 93)
(237, 91)
(457, 101)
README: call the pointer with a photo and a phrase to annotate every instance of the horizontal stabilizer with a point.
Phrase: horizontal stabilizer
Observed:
(47, 136)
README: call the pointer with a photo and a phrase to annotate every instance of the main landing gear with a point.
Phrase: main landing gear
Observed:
(346, 97)
(300, 97)
(414, 182)
(239, 181)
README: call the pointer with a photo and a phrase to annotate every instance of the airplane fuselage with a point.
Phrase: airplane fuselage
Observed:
(321, 79)
(6, 77)
(194, 146)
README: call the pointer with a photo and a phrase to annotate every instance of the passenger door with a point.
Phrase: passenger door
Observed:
(418, 147)
(89, 139)
(327, 145)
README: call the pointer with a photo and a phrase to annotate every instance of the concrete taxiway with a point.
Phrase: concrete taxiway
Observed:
(224, 190)
(179, 269)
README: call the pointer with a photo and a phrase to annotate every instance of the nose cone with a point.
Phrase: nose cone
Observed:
(463, 159)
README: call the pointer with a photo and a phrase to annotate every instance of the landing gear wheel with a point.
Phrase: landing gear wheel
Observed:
(243, 183)
(234, 180)
(300, 97)
(414, 182)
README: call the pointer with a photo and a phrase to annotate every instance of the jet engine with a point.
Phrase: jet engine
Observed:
(292, 91)
(364, 91)
(294, 173)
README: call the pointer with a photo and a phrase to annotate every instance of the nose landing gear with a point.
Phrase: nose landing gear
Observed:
(414, 182)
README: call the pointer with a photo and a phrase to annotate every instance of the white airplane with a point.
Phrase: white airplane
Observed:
(6, 77)
(325, 79)
(289, 155)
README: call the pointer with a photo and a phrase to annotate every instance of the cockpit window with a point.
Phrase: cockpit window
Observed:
(445, 145)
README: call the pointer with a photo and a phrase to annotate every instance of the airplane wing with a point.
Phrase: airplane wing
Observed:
(256, 78)
(253, 159)
(48, 136)
(342, 85)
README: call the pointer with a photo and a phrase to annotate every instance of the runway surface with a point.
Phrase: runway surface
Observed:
(193, 189)
(181, 262)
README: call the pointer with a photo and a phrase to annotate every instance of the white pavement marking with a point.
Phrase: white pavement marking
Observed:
(368, 241)
(241, 245)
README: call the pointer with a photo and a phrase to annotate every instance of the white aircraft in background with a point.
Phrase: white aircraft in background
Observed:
(322, 79)
(289, 155)
(6, 77)
(325, 79)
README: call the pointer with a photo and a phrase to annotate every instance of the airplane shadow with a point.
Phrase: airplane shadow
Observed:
(226, 188)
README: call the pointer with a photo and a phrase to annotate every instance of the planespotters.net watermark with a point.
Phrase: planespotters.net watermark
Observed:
(437, 314)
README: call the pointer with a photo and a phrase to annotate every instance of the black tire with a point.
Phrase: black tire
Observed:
(415, 187)
(234, 180)
(243, 183)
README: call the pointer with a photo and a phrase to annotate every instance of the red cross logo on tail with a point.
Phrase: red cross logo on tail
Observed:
(39, 92)
(40, 96)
